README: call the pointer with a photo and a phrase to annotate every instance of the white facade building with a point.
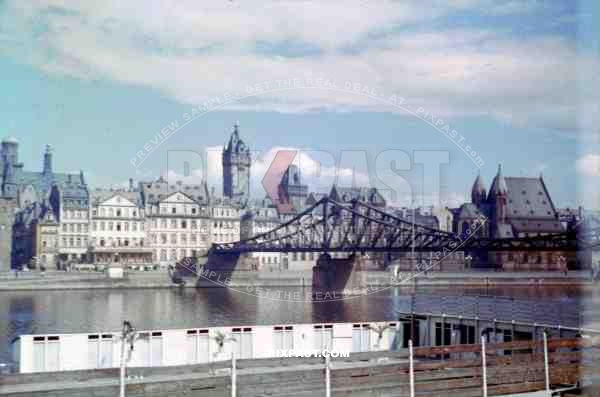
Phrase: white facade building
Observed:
(178, 228)
(118, 229)
(225, 221)
(160, 347)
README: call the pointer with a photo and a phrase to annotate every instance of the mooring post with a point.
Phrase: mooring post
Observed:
(546, 365)
(327, 376)
(411, 368)
(483, 366)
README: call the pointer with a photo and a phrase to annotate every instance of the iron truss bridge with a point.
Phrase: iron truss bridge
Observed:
(330, 226)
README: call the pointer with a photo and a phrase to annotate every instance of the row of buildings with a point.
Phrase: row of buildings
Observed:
(56, 219)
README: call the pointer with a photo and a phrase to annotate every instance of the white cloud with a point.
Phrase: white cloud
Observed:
(194, 51)
(589, 165)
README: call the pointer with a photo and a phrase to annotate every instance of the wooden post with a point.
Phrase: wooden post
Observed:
(411, 368)
(546, 365)
(483, 366)
(328, 376)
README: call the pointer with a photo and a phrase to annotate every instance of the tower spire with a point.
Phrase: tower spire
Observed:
(47, 170)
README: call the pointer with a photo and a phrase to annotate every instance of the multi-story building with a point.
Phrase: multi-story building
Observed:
(225, 220)
(177, 219)
(36, 239)
(74, 217)
(66, 194)
(236, 168)
(514, 207)
(118, 228)
(261, 217)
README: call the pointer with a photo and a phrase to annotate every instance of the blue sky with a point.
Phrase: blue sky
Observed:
(517, 79)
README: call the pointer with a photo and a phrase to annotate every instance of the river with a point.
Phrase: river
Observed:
(34, 312)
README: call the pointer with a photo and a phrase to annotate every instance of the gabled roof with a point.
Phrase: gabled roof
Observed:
(528, 198)
(156, 191)
(468, 211)
(70, 184)
(104, 196)
(178, 197)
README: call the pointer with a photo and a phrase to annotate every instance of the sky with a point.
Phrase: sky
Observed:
(382, 93)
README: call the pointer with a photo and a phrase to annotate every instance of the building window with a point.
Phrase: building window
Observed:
(193, 225)
(193, 211)
(173, 224)
(183, 224)
(183, 239)
(118, 212)
(64, 227)
(163, 238)
(361, 337)
(173, 210)
(110, 226)
(118, 227)
(173, 238)
(163, 255)
(126, 226)
(323, 337)
(163, 223)
(243, 347)
(283, 338)
(134, 227)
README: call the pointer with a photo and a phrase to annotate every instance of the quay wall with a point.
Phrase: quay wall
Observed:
(92, 280)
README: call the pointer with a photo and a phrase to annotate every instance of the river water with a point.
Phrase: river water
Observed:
(38, 312)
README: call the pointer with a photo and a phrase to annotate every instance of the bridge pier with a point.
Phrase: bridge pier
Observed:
(340, 276)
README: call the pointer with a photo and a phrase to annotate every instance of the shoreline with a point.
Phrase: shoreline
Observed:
(288, 279)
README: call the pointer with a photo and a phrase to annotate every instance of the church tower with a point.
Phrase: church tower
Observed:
(47, 166)
(478, 192)
(10, 161)
(236, 168)
(498, 198)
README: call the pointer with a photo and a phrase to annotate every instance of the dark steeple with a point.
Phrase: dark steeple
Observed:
(478, 192)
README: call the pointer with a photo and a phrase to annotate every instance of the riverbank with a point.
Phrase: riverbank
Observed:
(243, 279)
